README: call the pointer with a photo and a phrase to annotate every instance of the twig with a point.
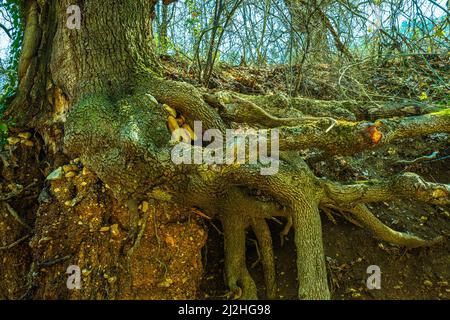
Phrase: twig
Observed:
(440, 159)
(217, 229)
(420, 159)
(201, 214)
(15, 243)
(48, 263)
(15, 194)
(16, 216)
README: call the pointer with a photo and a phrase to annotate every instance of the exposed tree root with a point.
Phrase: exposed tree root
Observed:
(381, 231)
(286, 230)
(264, 237)
(405, 185)
(237, 276)
(128, 145)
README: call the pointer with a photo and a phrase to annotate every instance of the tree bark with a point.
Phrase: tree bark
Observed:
(140, 252)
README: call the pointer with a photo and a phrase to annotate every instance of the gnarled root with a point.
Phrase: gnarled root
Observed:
(351, 198)
(238, 211)
(312, 276)
(381, 231)
(238, 278)
(127, 144)
(262, 232)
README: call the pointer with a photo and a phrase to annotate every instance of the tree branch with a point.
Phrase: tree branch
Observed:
(348, 138)
(405, 185)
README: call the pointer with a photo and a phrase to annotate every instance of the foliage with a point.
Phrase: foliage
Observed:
(13, 29)
(366, 49)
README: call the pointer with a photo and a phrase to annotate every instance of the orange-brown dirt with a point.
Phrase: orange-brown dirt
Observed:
(76, 221)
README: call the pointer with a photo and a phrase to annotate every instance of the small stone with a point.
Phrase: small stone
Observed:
(13, 140)
(166, 283)
(144, 206)
(70, 168)
(55, 175)
(170, 240)
(44, 197)
(104, 229)
(70, 175)
(428, 283)
(24, 135)
(115, 232)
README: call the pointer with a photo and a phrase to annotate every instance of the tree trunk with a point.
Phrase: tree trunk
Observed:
(83, 224)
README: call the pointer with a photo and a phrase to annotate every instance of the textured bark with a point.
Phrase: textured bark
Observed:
(96, 68)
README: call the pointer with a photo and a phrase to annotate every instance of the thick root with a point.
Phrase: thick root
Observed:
(350, 199)
(312, 274)
(348, 138)
(405, 185)
(264, 237)
(238, 279)
(363, 215)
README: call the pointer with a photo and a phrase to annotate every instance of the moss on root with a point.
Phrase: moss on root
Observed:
(126, 143)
